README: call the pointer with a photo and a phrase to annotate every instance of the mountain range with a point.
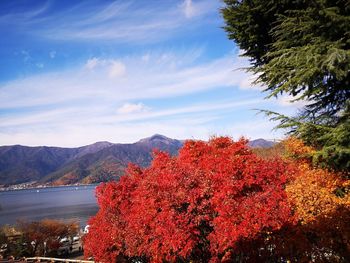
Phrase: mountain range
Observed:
(98, 162)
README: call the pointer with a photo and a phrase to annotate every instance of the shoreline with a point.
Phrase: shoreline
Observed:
(8, 189)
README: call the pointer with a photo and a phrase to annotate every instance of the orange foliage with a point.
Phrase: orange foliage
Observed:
(297, 149)
(324, 230)
(312, 191)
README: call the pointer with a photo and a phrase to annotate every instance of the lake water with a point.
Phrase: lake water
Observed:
(63, 203)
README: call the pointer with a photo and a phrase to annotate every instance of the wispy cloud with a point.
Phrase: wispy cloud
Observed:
(129, 108)
(188, 8)
(124, 79)
(291, 101)
(20, 17)
(92, 63)
(89, 96)
(126, 113)
(122, 21)
(196, 8)
(114, 67)
(122, 70)
(72, 127)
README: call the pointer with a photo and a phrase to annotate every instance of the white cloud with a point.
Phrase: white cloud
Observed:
(290, 101)
(128, 108)
(158, 78)
(92, 63)
(248, 83)
(73, 136)
(78, 134)
(117, 69)
(75, 126)
(188, 8)
(83, 105)
(193, 9)
(42, 117)
(128, 112)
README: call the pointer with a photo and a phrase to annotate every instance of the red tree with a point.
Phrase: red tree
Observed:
(199, 205)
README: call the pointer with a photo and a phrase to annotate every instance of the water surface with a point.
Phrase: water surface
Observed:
(64, 203)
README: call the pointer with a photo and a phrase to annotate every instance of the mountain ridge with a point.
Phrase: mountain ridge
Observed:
(98, 162)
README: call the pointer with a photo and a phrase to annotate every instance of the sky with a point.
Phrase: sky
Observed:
(76, 72)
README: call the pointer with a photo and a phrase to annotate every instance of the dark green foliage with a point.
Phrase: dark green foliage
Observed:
(332, 143)
(20, 247)
(301, 48)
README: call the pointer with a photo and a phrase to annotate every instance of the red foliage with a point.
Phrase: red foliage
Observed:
(197, 206)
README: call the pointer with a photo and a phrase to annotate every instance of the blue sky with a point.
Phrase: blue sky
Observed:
(76, 72)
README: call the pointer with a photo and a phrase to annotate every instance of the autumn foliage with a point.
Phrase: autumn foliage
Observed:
(313, 192)
(217, 201)
(197, 206)
(321, 203)
(35, 238)
(44, 236)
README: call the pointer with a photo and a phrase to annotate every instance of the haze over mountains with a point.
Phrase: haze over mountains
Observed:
(98, 162)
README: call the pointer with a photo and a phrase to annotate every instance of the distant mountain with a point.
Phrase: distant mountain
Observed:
(110, 162)
(20, 164)
(261, 143)
(92, 148)
(101, 161)
(98, 162)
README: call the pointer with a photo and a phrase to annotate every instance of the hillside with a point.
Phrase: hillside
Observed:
(110, 162)
(98, 162)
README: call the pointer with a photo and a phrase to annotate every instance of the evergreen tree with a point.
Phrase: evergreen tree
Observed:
(301, 48)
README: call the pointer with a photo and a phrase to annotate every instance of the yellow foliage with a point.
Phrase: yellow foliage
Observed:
(295, 148)
(312, 190)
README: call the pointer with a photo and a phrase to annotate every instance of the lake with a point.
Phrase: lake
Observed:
(63, 203)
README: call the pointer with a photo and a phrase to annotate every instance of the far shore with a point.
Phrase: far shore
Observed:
(38, 187)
